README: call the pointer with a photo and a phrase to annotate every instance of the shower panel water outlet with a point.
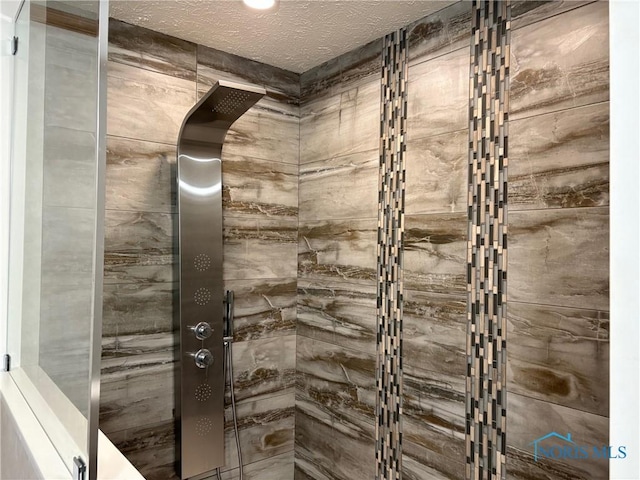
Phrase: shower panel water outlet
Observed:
(201, 391)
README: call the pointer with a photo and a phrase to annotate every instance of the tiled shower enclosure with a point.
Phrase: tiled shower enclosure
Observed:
(382, 331)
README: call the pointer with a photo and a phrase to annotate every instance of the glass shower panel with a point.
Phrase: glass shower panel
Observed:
(57, 214)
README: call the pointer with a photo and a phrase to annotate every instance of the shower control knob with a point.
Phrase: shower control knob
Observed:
(203, 358)
(202, 330)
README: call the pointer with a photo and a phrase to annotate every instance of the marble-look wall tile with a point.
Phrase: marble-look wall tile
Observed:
(138, 308)
(526, 12)
(69, 168)
(522, 466)
(559, 355)
(341, 124)
(435, 253)
(438, 95)
(546, 77)
(340, 187)
(270, 130)
(263, 307)
(139, 247)
(259, 248)
(140, 176)
(323, 452)
(560, 159)
(264, 367)
(437, 173)
(281, 85)
(146, 105)
(439, 33)
(566, 251)
(342, 73)
(338, 250)
(278, 467)
(419, 463)
(254, 187)
(340, 313)
(530, 419)
(140, 47)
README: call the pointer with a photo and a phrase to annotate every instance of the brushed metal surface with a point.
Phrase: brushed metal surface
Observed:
(201, 401)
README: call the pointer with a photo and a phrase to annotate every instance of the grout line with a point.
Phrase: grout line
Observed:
(552, 112)
(519, 302)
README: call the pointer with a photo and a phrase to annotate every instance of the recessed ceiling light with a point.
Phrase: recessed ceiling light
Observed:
(260, 4)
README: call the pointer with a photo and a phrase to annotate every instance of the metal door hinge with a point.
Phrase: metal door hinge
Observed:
(7, 362)
(79, 468)
(14, 45)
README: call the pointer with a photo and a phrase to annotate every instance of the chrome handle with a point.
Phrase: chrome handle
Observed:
(202, 330)
(203, 358)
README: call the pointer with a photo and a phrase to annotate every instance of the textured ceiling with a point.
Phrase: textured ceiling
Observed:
(297, 36)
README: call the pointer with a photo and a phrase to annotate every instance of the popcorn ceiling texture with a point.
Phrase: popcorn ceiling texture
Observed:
(296, 37)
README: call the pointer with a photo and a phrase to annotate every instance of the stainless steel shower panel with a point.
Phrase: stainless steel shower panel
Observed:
(201, 401)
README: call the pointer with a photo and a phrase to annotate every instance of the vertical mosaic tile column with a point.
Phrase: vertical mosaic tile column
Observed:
(487, 240)
(393, 119)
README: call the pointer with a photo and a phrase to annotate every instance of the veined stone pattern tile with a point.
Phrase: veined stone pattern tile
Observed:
(326, 453)
(340, 313)
(278, 467)
(547, 78)
(259, 248)
(341, 73)
(438, 96)
(439, 33)
(530, 419)
(522, 466)
(139, 247)
(146, 105)
(560, 355)
(339, 250)
(138, 308)
(281, 85)
(263, 307)
(435, 253)
(437, 173)
(487, 240)
(567, 250)
(140, 176)
(560, 159)
(140, 47)
(254, 187)
(340, 187)
(341, 124)
(414, 466)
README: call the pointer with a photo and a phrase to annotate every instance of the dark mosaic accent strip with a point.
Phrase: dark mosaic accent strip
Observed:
(393, 118)
(487, 242)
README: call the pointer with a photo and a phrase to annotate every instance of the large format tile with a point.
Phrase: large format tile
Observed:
(560, 62)
(438, 95)
(419, 463)
(263, 307)
(140, 176)
(439, 33)
(264, 367)
(560, 159)
(277, 467)
(341, 313)
(139, 247)
(213, 65)
(560, 355)
(258, 187)
(435, 253)
(340, 187)
(531, 419)
(146, 105)
(140, 47)
(437, 173)
(341, 124)
(343, 72)
(522, 466)
(560, 257)
(526, 12)
(259, 248)
(136, 308)
(338, 250)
